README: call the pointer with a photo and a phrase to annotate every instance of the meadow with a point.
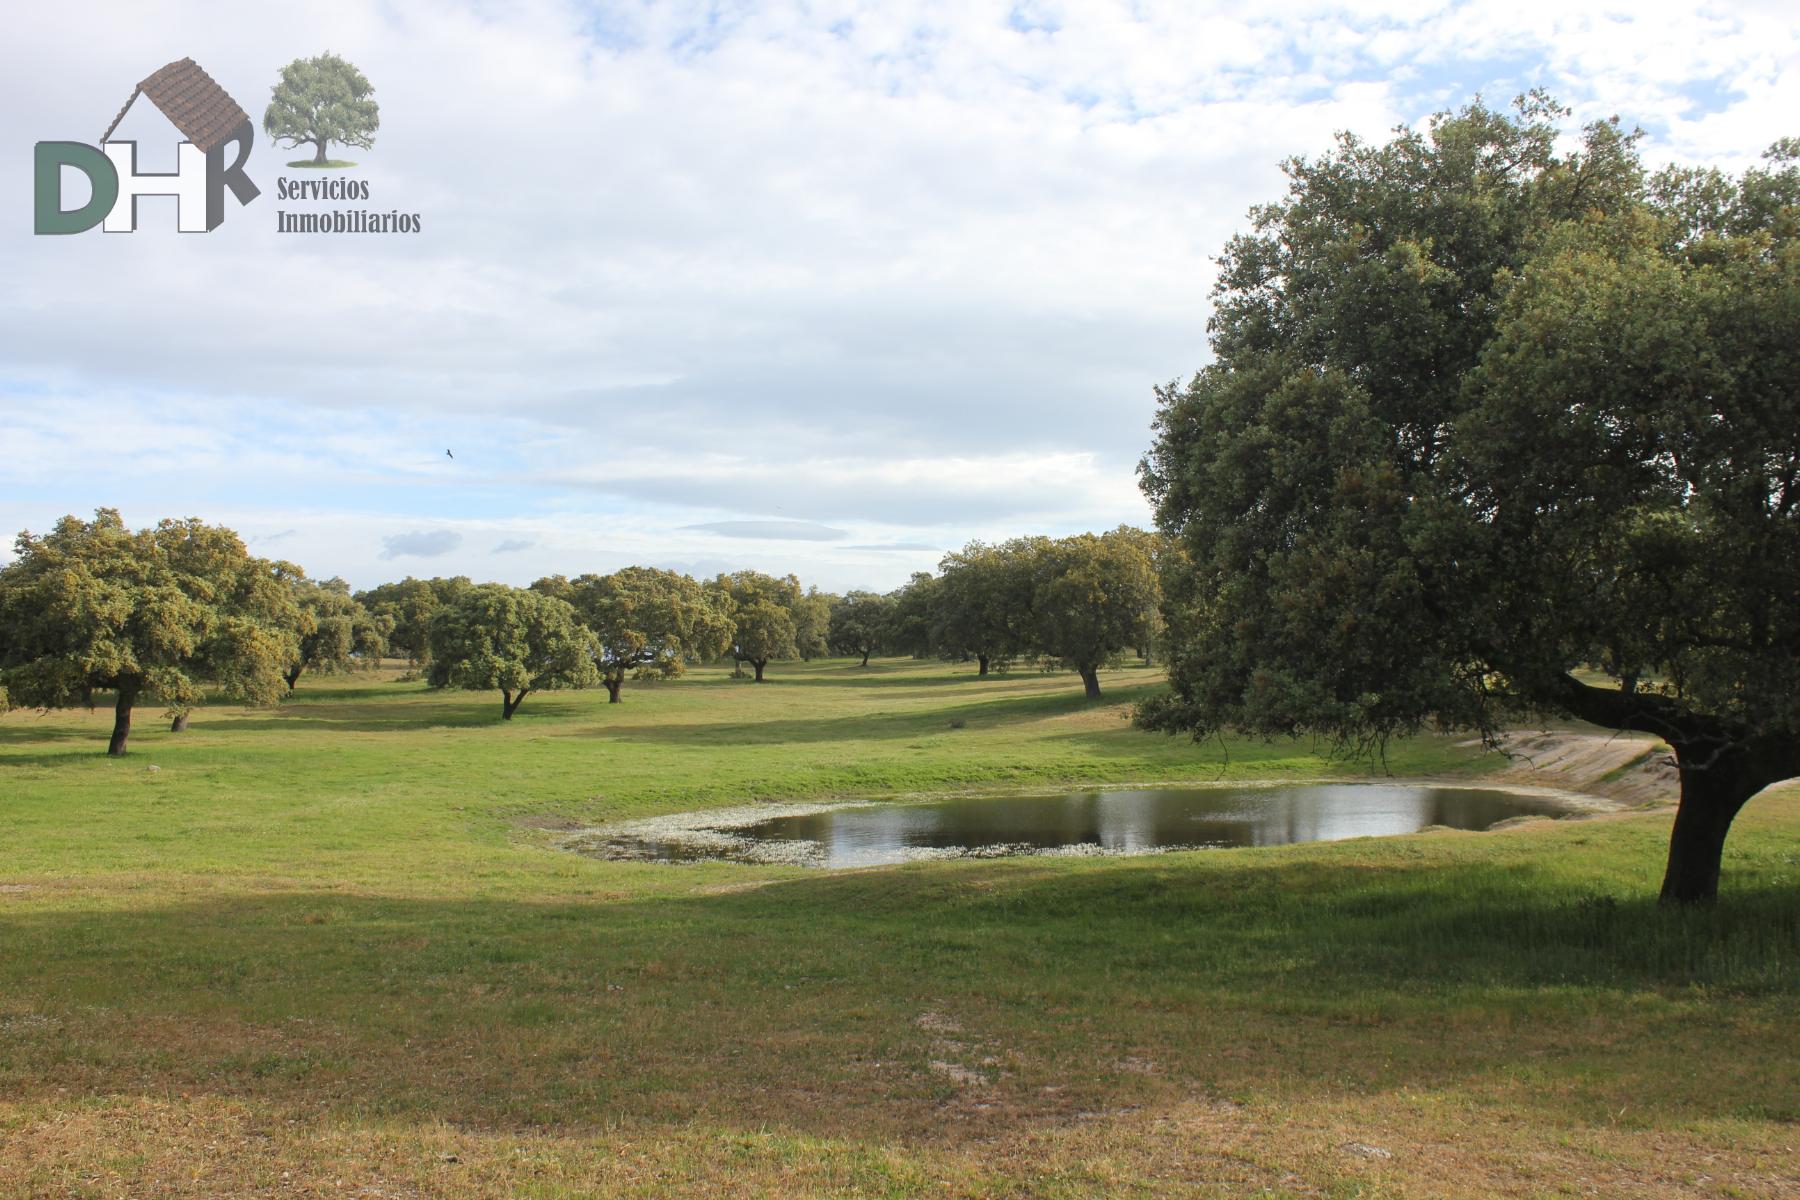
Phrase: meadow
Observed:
(332, 949)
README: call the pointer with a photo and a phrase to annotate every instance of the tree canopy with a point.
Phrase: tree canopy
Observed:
(983, 602)
(321, 100)
(812, 623)
(152, 613)
(859, 624)
(647, 622)
(912, 620)
(407, 606)
(514, 639)
(1495, 429)
(762, 609)
(1093, 598)
(336, 632)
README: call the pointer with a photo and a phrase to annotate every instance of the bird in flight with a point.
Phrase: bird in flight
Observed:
(447, 454)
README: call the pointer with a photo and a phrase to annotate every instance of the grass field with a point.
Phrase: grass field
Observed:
(330, 950)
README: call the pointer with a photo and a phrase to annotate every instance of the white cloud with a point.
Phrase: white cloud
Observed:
(907, 270)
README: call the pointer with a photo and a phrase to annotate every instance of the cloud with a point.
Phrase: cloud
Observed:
(911, 268)
(421, 544)
(514, 545)
(796, 531)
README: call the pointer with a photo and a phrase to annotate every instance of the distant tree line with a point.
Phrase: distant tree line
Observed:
(161, 613)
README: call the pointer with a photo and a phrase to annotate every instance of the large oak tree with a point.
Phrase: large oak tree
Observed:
(1497, 429)
(860, 623)
(763, 612)
(983, 602)
(145, 614)
(647, 622)
(511, 639)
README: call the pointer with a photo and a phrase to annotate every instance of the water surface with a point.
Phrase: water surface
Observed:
(1117, 822)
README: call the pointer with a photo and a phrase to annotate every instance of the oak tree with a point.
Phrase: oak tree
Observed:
(762, 609)
(1496, 429)
(511, 639)
(336, 633)
(983, 602)
(1093, 597)
(647, 622)
(812, 623)
(859, 624)
(912, 616)
(406, 609)
(147, 614)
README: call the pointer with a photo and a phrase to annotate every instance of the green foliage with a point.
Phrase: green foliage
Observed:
(764, 631)
(516, 640)
(319, 101)
(336, 632)
(1308, 472)
(1093, 598)
(1481, 414)
(647, 622)
(812, 623)
(406, 609)
(983, 601)
(151, 613)
(763, 611)
(912, 621)
(860, 624)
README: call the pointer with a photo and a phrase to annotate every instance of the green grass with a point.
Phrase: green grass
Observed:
(330, 948)
(329, 164)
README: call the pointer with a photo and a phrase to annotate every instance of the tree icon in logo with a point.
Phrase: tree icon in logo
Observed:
(319, 101)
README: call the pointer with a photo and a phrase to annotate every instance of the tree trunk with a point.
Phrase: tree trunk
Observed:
(1721, 768)
(866, 654)
(983, 660)
(179, 724)
(292, 677)
(509, 703)
(1090, 681)
(759, 664)
(1715, 785)
(122, 719)
(612, 690)
(320, 158)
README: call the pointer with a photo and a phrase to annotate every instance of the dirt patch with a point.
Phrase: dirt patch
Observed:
(1630, 769)
(553, 824)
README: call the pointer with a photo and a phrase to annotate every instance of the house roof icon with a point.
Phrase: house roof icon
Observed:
(194, 103)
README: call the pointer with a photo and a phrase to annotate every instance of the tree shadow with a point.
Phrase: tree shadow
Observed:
(799, 1004)
(975, 715)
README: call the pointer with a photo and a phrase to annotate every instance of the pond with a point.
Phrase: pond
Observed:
(1134, 821)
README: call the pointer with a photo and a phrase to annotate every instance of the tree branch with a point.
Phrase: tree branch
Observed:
(1639, 712)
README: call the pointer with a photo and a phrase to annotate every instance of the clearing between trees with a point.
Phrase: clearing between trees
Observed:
(328, 949)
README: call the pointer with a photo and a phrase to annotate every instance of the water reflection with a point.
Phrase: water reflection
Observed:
(1143, 820)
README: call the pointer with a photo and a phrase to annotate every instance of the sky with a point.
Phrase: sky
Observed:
(827, 287)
